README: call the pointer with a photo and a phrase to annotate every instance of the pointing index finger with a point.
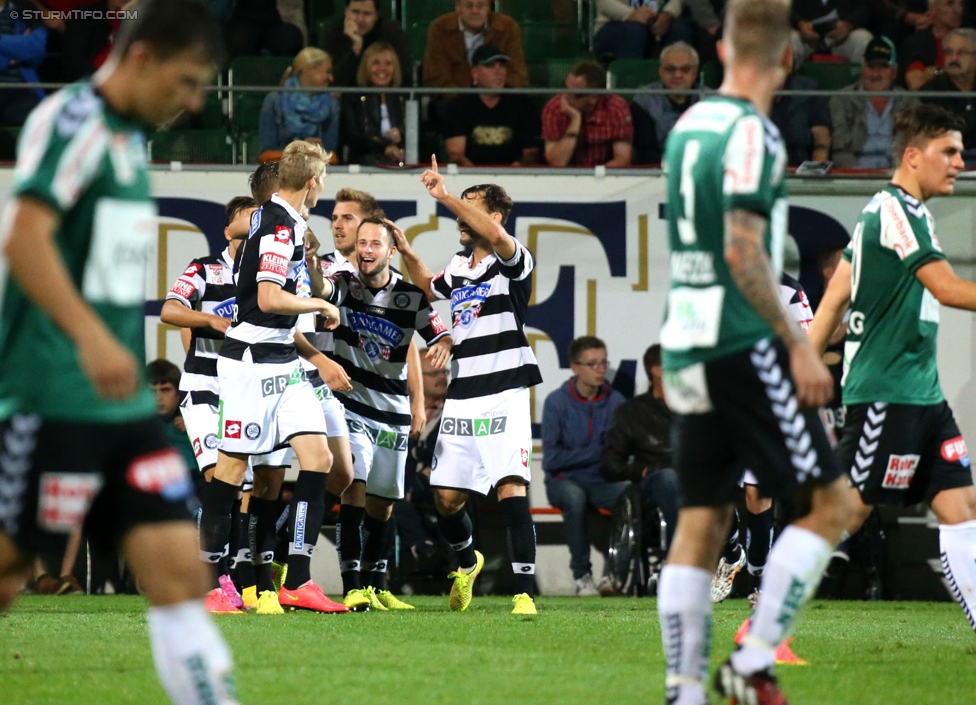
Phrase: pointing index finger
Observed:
(433, 162)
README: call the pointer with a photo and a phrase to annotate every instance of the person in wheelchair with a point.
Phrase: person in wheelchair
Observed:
(638, 450)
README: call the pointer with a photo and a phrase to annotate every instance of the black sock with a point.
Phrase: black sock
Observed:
(457, 530)
(307, 511)
(215, 522)
(733, 550)
(759, 537)
(376, 548)
(349, 545)
(235, 539)
(243, 568)
(521, 542)
(262, 536)
(330, 502)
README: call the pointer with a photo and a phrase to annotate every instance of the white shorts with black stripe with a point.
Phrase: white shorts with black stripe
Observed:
(264, 405)
(482, 441)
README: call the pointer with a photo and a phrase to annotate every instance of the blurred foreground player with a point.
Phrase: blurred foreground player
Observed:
(739, 373)
(82, 439)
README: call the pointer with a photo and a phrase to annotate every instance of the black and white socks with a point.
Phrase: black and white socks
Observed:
(521, 542)
(349, 545)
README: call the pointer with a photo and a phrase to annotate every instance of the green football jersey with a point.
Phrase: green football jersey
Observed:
(721, 156)
(88, 164)
(889, 353)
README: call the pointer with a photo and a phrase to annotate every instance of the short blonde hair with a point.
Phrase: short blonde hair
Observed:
(300, 162)
(757, 31)
(372, 51)
(309, 56)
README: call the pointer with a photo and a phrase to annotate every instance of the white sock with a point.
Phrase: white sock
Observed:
(192, 660)
(957, 544)
(685, 608)
(794, 568)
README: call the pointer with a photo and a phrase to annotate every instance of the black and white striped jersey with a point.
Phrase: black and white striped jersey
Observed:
(319, 335)
(795, 298)
(274, 251)
(488, 304)
(206, 285)
(372, 339)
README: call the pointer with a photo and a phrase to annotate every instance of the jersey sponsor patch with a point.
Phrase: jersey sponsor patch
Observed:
(466, 303)
(954, 451)
(225, 309)
(163, 473)
(896, 231)
(274, 264)
(183, 288)
(232, 429)
(215, 274)
(282, 234)
(900, 471)
(65, 499)
(378, 328)
(436, 323)
(744, 157)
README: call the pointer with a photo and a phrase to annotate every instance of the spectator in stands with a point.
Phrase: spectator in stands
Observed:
(492, 128)
(921, 54)
(708, 15)
(296, 115)
(959, 74)
(23, 45)
(655, 115)
(636, 29)
(587, 130)
(83, 42)
(897, 19)
(256, 27)
(862, 126)
(373, 123)
(638, 445)
(830, 26)
(164, 377)
(575, 420)
(453, 38)
(803, 121)
(346, 40)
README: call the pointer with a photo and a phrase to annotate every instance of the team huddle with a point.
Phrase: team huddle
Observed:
(296, 357)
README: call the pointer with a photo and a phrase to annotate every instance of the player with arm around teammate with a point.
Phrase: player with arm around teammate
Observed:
(485, 437)
(901, 444)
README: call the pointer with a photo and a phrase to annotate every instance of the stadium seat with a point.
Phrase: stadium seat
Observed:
(561, 11)
(192, 146)
(551, 73)
(214, 113)
(247, 147)
(323, 11)
(417, 39)
(632, 73)
(544, 41)
(414, 11)
(244, 108)
(711, 74)
(831, 76)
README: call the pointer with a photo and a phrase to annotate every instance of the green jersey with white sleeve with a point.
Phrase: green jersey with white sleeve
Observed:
(721, 156)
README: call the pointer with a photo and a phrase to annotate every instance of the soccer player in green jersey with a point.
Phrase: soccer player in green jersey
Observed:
(901, 444)
(739, 373)
(79, 439)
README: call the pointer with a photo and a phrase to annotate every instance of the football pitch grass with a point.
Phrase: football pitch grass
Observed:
(95, 650)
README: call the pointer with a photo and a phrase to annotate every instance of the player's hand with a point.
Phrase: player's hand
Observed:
(112, 369)
(333, 375)
(178, 422)
(440, 352)
(418, 419)
(399, 238)
(331, 315)
(814, 385)
(219, 323)
(434, 181)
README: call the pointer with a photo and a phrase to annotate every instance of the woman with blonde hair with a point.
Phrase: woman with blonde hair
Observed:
(373, 123)
(297, 115)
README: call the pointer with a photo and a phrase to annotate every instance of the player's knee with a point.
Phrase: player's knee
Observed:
(449, 502)
(379, 509)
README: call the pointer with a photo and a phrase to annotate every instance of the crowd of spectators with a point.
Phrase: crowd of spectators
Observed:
(901, 44)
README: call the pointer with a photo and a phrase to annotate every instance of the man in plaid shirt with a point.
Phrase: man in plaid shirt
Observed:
(584, 129)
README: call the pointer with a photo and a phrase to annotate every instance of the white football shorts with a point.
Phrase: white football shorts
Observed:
(379, 455)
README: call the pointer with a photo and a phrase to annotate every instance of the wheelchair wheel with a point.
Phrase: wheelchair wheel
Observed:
(628, 565)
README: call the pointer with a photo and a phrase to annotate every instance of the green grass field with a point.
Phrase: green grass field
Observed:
(95, 650)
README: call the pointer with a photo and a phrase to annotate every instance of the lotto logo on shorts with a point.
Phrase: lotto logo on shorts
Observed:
(474, 427)
(232, 429)
(197, 447)
(900, 471)
(162, 473)
(954, 451)
(274, 385)
(525, 458)
(65, 498)
(274, 264)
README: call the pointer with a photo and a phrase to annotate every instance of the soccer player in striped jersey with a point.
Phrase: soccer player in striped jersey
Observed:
(80, 442)
(380, 312)
(485, 435)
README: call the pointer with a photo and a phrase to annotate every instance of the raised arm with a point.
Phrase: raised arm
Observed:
(419, 274)
(749, 264)
(480, 220)
(832, 308)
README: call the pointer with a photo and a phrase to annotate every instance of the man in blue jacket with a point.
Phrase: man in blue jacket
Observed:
(575, 420)
(22, 47)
